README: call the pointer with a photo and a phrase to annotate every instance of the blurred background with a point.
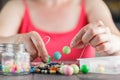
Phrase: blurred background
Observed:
(114, 6)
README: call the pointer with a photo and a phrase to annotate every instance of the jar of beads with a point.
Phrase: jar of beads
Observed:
(15, 60)
(2, 47)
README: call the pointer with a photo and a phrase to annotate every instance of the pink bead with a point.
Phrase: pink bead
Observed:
(68, 70)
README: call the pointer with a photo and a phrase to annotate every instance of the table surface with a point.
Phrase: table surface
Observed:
(88, 76)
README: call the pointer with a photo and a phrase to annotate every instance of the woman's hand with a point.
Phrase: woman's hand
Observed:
(34, 44)
(99, 36)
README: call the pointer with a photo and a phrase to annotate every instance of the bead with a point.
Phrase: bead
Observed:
(49, 59)
(42, 71)
(52, 71)
(101, 69)
(6, 69)
(66, 50)
(68, 70)
(42, 65)
(45, 71)
(61, 69)
(84, 69)
(37, 70)
(0, 67)
(32, 69)
(57, 55)
(75, 68)
(14, 67)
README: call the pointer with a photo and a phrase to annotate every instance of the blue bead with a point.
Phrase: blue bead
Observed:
(0, 67)
(32, 69)
(57, 55)
(52, 63)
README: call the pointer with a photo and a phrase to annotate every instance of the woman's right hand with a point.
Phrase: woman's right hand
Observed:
(34, 44)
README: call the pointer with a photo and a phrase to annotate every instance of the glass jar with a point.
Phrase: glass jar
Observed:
(15, 60)
(22, 59)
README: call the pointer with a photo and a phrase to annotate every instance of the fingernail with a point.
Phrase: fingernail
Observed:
(72, 44)
(47, 59)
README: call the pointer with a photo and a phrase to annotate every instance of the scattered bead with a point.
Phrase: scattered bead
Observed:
(57, 55)
(101, 69)
(32, 69)
(37, 70)
(84, 69)
(66, 50)
(6, 69)
(61, 69)
(0, 67)
(68, 70)
(75, 68)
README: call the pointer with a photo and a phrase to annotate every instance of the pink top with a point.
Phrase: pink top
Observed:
(59, 40)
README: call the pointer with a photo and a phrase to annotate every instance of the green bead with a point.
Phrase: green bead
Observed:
(75, 68)
(66, 50)
(49, 59)
(84, 69)
(7, 69)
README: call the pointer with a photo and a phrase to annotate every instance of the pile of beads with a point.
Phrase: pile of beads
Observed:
(49, 68)
(55, 68)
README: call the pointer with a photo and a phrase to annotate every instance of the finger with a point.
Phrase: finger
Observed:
(32, 50)
(103, 47)
(77, 39)
(39, 44)
(33, 54)
(92, 32)
(99, 39)
(80, 45)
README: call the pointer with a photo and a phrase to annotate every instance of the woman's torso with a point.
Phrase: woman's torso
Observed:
(60, 26)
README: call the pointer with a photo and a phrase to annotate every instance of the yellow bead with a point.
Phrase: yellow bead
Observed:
(101, 69)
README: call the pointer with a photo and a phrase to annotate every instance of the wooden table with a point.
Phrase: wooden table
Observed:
(62, 77)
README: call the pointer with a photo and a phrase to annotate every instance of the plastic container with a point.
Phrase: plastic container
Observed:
(104, 65)
(15, 60)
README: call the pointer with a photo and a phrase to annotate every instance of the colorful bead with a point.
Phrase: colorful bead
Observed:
(6, 69)
(75, 68)
(0, 67)
(49, 59)
(37, 70)
(61, 69)
(32, 69)
(101, 69)
(42, 65)
(66, 50)
(68, 70)
(84, 69)
(57, 55)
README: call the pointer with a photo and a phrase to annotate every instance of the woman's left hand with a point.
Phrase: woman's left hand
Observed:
(99, 36)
